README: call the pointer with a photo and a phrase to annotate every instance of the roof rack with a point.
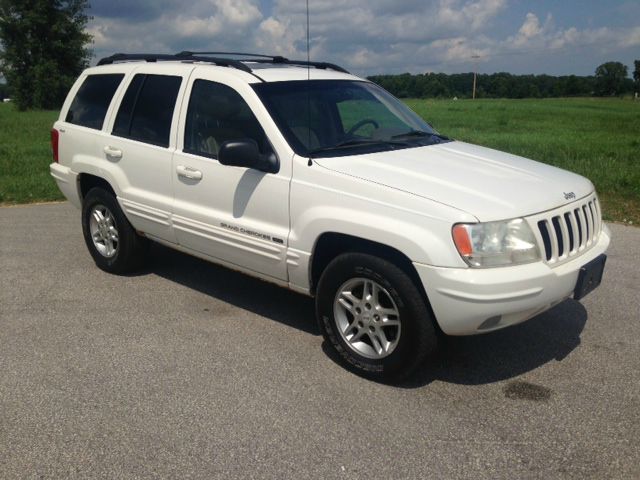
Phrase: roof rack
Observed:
(259, 58)
(224, 62)
(153, 57)
(188, 53)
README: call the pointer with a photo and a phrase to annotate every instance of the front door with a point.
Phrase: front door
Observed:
(237, 215)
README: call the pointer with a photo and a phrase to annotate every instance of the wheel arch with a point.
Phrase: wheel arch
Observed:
(331, 244)
(87, 181)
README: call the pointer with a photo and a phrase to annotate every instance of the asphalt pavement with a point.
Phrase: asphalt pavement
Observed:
(189, 370)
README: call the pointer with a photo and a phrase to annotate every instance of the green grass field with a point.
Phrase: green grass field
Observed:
(25, 155)
(597, 138)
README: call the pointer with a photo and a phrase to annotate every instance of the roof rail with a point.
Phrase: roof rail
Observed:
(259, 58)
(188, 53)
(153, 57)
(240, 64)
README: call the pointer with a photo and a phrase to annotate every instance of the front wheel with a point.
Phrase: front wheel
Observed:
(374, 317)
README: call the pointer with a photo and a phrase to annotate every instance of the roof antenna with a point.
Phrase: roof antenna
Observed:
(308, 91)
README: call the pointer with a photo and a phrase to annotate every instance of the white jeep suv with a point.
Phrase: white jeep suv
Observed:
(319, 181)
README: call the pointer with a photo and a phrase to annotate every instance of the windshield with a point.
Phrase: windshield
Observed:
(321, 118)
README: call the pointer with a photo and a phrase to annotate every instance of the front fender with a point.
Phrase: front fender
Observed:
(417, 227)
(417, 239)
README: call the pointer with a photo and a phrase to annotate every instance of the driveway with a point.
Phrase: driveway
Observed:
(189, 370)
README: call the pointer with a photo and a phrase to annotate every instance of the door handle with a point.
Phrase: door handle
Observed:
(113, 152)
(188, 172)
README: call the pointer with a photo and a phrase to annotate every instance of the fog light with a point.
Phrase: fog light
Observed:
(490, 322)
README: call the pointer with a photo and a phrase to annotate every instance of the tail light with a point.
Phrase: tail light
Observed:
(55, 140)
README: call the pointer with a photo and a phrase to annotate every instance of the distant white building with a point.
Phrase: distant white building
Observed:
(6, 100)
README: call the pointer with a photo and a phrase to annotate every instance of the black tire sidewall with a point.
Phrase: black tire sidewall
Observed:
(124, 260)
(417, 337)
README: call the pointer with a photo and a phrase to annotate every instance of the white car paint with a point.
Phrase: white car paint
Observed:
(407, 199)
(492, 185)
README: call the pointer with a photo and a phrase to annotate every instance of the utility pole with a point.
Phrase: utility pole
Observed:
(475, 74)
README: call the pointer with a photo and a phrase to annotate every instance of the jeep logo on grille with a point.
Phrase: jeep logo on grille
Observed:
(569, 195)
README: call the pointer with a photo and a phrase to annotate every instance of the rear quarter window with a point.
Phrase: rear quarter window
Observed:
(92, 100)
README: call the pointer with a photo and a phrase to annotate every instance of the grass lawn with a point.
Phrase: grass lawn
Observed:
(25, 155)
(597, 138)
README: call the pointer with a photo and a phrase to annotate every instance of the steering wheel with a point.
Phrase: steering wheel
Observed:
(362, 123)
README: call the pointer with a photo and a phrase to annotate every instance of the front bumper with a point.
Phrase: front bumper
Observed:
(468, 301)
(67, 181)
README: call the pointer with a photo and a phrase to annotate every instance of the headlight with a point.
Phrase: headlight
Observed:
(494, 244)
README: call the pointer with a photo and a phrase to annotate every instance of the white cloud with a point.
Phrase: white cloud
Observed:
(385, 35)
(239, 12)
(470, 15)
(368, 36)
(533, 35)
(530, 28)
(631, 38)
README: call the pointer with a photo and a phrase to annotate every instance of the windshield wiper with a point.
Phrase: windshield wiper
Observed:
(420, 133)
(356, 142)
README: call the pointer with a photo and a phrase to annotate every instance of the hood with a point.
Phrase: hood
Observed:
(489, 184)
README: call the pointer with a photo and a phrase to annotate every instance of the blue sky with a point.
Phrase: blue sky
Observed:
(384, 36)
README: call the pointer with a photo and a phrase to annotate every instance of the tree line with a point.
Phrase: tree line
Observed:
(610, 79)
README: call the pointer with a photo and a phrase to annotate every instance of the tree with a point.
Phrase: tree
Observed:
(4, 91)
(45, 49)
(636, 74)
(610, 78)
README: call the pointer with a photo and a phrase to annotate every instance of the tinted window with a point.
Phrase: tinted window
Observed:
(123, 119)
(217, 114)
(343, 117)
(147, 109)
(90, 104)
(357, 111)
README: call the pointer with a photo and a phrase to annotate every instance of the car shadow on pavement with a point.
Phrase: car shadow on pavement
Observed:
(507, 353)
(249, 293)
(472, 360)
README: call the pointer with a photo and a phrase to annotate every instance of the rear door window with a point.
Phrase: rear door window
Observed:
(90, 104)
(147, 108)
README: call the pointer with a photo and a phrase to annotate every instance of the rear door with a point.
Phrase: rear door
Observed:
(141, 145)
(237, 215)
(82, 119)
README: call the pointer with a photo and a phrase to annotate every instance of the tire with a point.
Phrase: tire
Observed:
(391, 346)
(112, 241)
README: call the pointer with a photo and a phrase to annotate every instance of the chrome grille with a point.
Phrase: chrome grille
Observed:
(567, 232)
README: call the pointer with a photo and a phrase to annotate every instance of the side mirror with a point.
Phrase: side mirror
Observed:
(245, 153)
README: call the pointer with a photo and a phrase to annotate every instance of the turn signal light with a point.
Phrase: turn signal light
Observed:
(462, 240)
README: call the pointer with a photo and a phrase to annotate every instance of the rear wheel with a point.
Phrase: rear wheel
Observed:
(374, 317)
(112, 241)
